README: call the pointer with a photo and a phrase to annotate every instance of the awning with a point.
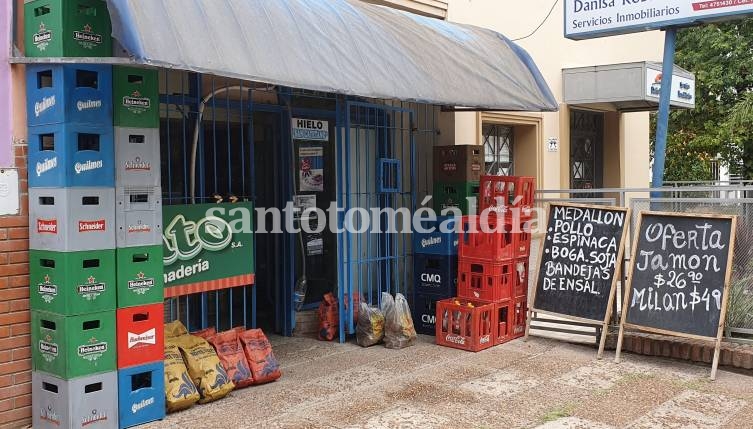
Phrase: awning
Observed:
(340, 46)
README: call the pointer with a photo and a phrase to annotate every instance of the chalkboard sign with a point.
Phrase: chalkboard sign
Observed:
(581, 251)
(678, 273)
(679, 276)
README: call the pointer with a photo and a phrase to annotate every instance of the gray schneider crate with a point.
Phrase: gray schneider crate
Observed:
(137, 156)
(139, 216)
(86, 402)
(71, 219)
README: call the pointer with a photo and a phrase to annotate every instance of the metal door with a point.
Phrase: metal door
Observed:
(586, 143)
(376, 165)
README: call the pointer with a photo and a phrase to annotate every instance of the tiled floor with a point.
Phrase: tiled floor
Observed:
(539, 383)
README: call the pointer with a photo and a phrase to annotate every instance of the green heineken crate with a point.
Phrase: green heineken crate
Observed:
(140, 276)
(67, 28)
(456, 195)
(71, 283)
(73, 346)
(135, 95)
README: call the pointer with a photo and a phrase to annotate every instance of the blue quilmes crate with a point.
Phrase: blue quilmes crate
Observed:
(424, 312)
(437, 242)
(75, 94)
(71, 155)
(141, 394)
(435, 274)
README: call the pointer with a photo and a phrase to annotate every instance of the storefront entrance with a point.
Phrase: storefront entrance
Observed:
(586, 149)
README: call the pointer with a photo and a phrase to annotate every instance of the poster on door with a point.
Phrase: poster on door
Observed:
(311, 169)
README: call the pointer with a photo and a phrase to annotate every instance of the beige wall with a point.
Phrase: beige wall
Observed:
(627, 139)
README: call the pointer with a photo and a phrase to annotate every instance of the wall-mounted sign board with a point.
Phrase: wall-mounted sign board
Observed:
(679, 276)
(579, 263)
(587, 19)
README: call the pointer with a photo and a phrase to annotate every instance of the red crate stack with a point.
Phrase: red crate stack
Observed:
(493, 265)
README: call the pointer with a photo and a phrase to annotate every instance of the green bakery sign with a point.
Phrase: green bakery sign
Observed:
(208, 246)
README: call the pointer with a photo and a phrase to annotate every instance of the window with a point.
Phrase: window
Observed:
(498, 145)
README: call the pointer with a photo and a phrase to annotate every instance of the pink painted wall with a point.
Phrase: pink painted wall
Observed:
(6, 137)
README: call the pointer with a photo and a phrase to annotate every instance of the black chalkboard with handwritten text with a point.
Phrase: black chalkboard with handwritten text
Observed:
(679, 273)
(581, 251)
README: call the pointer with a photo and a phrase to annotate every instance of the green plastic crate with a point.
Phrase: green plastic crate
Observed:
(135, 97)
(456, 195)
(67, 28)
(140, 276)
(73, 346)
(71, 283)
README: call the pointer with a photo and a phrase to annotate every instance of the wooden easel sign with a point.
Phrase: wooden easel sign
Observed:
(678, 281)
(579, 263)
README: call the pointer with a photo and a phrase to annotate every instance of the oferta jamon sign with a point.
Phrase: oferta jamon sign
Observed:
(207, 247)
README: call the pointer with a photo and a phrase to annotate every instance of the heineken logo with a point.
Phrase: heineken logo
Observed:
(42, 38)
(91, 290)
(48, 290)
(92, 225)
(145, 338)
(141, 284)
(44, 105)
(46, 165)
(87, 38)
(136, 103)
(92, 351)
(49, 349)
(138, 164)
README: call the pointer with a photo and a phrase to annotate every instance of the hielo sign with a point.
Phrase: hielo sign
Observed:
(585, 19)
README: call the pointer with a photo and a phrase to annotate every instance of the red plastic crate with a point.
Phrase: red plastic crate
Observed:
(522, 241)
(140, 335)
(485, 281)
(520, 278)
(489, 241)
(519, 315)
(465, 327)
(504, 314)
(503, 193)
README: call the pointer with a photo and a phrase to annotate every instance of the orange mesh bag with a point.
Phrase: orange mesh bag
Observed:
(328, 320)
(261, 359)
(230, 351)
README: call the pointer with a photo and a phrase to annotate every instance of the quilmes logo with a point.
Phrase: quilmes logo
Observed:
(136, 103)
(88, 105)
(92, 225)
(138, 406)
(141, 284)
(42, 38)
(138, 164)
(88, 166)
(47, 226)
(46, 165)
(185, 239)
(48, 348)
(87, 38)
(47, 290)
(91, 290)
(95, 417)
(431, 241)
(92, 351)
(145, 338)
(44, 105)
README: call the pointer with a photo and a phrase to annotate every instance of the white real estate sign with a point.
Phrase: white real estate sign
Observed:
(683, 88)
(586, 19)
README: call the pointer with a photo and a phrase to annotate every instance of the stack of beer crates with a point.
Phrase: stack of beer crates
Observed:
(72, 217)
(435, 264)
(457, 171)
(494, 252)
(138, 217)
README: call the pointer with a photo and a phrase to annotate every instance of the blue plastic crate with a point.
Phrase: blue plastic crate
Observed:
(141, 394)
(74, 94)
(424, 312)
(437, 242)
(71, 155)
(435, 274)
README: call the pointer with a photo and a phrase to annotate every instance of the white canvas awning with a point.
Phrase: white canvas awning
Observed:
(340, 46)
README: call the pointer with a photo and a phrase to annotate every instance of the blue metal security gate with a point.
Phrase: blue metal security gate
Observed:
(376, 165)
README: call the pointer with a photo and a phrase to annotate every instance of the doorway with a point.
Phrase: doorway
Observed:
(586, 149)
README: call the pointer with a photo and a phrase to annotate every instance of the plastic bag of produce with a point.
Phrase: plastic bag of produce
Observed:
(261, 359)
(205, 333)
(205, 368)
(175, 329)
(180, 392)
(370, 327)
(230, 351)
(398, 323)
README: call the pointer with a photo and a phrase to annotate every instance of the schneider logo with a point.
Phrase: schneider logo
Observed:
(142, 227)
(91, 225)
(138, 406)
(47, 226)
(138, 165)
(41, 106)
(88, 166)
(46, 165)
(88, 104)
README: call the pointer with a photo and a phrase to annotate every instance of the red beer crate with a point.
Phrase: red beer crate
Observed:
(503, 193)
(140, 335)
(485, 281)
(520, 278)
(505, 321)
(487, 238)
(465, 324)
(522, 240)
(519, 316)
